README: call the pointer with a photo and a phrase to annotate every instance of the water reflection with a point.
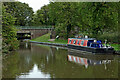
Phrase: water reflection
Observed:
(39, 61)
(88, 59)
(35, 73)
(86, 62)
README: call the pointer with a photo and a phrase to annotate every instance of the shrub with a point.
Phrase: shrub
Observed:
(112, 37)
(10, 41)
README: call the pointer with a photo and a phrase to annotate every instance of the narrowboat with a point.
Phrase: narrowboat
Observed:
(89, 44)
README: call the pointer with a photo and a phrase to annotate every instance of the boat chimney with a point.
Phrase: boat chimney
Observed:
(95, 40)
(86, 36)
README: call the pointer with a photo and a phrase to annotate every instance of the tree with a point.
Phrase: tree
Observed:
(10, 41)
(21, 11)
(99, 17)
(41, 17)
(63, 15)
(92, 19)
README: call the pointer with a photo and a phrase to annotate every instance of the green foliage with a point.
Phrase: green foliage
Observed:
(21, 11)
(92, 19)
(65, 20)
(41, 17)
(112, 37)
(8, 32)
(116, 46)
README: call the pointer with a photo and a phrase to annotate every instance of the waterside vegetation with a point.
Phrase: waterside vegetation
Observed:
(9, 42)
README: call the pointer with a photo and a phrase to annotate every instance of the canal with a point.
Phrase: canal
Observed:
(40, 61)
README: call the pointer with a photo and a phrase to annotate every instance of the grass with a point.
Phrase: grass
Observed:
(60, 41)
(116, 46)
(43, 38)
(46, 37)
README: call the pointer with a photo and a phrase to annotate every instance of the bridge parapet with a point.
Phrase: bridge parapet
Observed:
(23, 31)
(34, 27)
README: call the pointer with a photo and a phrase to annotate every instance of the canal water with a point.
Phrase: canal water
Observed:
(41, 61)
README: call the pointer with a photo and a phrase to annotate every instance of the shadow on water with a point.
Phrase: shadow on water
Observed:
(40, 61)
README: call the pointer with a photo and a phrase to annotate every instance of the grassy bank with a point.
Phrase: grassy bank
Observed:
(46, 37)
(43, 38)
(116, 46)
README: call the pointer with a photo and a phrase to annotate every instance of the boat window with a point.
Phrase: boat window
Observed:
(99, 41)
(78, 42)
(69, 41)
(95, 45)
(74, 42)
(89, 42)
(82, 42)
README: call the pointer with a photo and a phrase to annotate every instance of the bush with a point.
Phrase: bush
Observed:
(9, 34)
(112, 37)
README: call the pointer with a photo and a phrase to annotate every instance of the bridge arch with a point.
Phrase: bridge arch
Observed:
(34, 32)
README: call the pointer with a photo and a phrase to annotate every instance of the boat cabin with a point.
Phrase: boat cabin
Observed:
(86, 42)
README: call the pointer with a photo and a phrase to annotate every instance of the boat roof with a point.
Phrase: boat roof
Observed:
(95, 43)
(84, 38)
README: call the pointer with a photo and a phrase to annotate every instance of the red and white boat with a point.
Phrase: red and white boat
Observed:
(90, 45)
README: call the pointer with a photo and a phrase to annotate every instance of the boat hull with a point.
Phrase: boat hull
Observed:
(93, 50)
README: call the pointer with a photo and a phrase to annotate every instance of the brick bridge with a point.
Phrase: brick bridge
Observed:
(32, 32)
